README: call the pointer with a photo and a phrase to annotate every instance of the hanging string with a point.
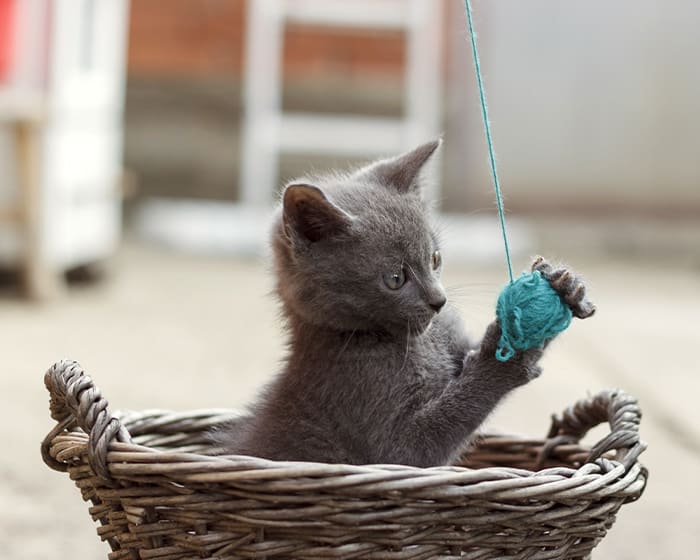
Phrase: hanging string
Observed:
(489, 140)
(529, 310)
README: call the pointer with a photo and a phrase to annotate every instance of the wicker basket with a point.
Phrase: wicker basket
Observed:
(157, 495)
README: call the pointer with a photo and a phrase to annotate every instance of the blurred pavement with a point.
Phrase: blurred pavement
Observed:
(183, 332)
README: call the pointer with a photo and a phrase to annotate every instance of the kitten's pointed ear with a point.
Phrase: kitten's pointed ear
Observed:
(402, 171)
(309, 214)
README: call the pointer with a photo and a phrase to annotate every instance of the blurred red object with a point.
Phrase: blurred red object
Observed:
(6, 25)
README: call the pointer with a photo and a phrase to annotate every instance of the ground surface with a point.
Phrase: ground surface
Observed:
(169, 331)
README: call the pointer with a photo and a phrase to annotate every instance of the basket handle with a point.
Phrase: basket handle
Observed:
(74, 400)
(614, 406)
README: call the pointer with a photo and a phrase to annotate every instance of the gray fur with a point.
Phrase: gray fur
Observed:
(374, 375)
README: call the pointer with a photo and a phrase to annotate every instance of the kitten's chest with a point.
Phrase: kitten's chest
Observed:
(376, 377)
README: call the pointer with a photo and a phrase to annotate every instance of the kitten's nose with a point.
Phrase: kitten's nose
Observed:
(438, 303)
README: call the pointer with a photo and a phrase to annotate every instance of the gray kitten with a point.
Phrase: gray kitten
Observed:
(379, 369)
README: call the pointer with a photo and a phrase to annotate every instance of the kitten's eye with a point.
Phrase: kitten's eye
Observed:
(394, 280)
(436, 260)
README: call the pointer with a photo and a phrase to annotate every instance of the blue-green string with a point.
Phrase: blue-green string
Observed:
(489, 141)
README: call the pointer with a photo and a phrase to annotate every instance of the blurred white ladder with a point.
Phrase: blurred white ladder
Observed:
(268, 131)
(241, 228)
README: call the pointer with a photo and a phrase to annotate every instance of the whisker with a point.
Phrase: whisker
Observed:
(415, 276)
(408, 340)
(345, 345)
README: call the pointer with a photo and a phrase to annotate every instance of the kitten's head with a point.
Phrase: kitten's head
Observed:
(356, 252)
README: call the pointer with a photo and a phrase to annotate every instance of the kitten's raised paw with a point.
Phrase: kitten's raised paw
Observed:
(569, 285)
(524, 363)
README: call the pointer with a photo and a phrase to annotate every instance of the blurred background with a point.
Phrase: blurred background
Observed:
(143, 144)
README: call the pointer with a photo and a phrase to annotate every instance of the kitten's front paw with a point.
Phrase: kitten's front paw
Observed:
(523, 366)
(569, 285)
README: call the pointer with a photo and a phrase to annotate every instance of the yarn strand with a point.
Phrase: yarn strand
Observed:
(529, 310)
(489, 140)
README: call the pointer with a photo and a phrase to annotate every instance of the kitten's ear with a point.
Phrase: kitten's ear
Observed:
(308, 213)
(401, 172)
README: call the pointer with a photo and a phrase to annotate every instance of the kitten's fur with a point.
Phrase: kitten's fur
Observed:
(375, 375)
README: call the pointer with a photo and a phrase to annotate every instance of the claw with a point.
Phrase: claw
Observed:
(561, 283)
(575, 298)
(554, 275)
(539, 259)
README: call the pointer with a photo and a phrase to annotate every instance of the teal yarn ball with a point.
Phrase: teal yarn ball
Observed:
(529, 312)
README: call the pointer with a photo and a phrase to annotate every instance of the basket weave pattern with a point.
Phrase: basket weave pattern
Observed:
(157, 495)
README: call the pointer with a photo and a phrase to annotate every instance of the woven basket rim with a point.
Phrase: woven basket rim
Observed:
(124, 452)
(451, 483)
(311, 468)
(76, 402)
